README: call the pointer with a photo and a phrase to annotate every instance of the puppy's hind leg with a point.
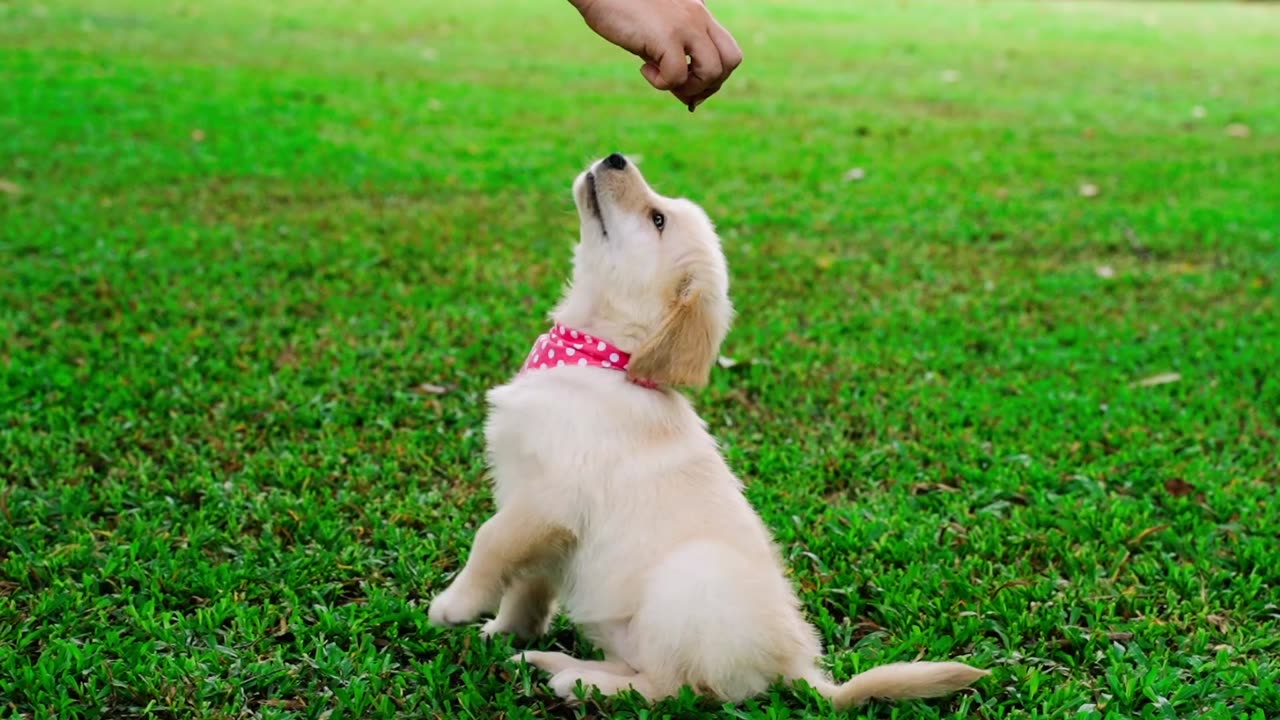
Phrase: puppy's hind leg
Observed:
(557, 662)
(565, 683)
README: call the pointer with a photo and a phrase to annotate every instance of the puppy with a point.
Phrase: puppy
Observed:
(614, 500)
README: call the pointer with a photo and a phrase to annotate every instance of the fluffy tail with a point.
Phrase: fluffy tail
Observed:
(900, 681)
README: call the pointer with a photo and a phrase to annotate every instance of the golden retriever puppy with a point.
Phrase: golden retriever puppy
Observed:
(613, 499)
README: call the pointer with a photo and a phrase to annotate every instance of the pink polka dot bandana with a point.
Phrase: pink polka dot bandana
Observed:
(561, 346)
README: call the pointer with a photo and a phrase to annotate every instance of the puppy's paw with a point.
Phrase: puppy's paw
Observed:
(521, 630)
(497, 627)
(549, 662)
(565, 685)
(453, 607)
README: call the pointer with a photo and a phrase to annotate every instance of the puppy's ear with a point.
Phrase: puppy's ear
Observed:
(682, 351)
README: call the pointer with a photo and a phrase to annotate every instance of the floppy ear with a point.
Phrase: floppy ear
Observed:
(685, 346)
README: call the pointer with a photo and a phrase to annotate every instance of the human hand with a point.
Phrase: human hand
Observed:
(663, 33)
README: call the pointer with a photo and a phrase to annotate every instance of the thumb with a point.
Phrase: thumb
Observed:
(669, 72)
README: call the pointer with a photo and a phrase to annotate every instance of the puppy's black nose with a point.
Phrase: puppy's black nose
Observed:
(616, 161)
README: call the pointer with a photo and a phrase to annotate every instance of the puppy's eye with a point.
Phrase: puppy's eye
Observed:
(659, 220)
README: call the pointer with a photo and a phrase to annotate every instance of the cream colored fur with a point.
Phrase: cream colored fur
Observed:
(614, 500)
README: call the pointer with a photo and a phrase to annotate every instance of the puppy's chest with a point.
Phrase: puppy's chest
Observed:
(554, 438)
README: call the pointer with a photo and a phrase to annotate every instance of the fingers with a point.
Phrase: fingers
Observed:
(685, 51)
(730, 53)
(668, 70)
(705, 68)
(714, 60)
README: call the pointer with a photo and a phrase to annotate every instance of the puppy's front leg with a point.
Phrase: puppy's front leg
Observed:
(511, 542)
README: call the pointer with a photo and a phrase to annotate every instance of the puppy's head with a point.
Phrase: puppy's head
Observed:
(649, 269)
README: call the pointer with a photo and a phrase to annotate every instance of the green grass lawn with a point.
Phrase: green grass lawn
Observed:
(240, 241)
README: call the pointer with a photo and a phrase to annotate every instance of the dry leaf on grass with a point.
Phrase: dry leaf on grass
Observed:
(1105, 271)
(1148, 533)
(1239, 130)
(432, 389)
(1088, 190)
(9, 187)
(855, 174)
(197, 135)
(927, 488)
(1159, 379)
(1178, 487)
(291, 704)
(287, 357)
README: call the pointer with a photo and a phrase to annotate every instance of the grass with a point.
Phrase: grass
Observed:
(237, 238)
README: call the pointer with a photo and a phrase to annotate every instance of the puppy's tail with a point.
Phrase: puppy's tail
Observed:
(900, 681)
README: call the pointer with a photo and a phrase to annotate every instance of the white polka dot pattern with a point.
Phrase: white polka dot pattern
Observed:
(556, 344)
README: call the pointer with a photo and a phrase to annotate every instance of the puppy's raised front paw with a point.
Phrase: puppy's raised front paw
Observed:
(453, 607)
